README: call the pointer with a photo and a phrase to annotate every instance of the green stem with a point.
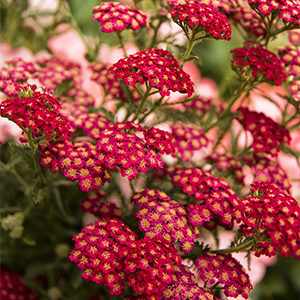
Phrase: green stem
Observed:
(121, 42)
(242, 247)
(68, 12)
(15, 173)
(188, 51)
(227, 109)
(142, 101)
(34, 154)
(155, 106)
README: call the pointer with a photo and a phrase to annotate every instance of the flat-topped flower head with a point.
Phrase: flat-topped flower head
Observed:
(184, 286)
(115, 16)
(256, 63)
(225, 270)
(273, 219)
(100, 251)
(152, 266)
(160, 216)
(268, 135)
(133, 149)
(157, 68)
(110, 82)
(215, 201)
(95, 204)
(269, 171)
(202, 19)
(188, 139)
(12, 287)
(37, 113)
(79, 161)
(287, 11)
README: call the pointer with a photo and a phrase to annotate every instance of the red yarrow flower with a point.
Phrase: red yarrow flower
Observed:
(273, 219)
(12, 287)
(95, 204)
(101, 250)
(255, 62)
(37, 113)
(119, 147)
(200, 18)
(157, 68)
(268, 136)
(215, 201)
(161, 216)
(287, 11)
(115, 16)
(226, 271)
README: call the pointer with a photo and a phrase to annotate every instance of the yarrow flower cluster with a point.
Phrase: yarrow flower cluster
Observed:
(161, 216)
(79, 161)
(268, 136)
(188, 139)
(14, 76)
(92, 123)
(102, 75)
(272, 217)
(119, 147)
(152, 267)
(227, 162)
(157, 68)
(269, 171)
(288, 11)
(226, 271)
(115, 16)
(255, 62)
(12, 287)
(184, 286)
(37, 113)
(101, 250)
(290, 56)
(215, 202)
(202, 18)
(95, 204)
(200, 104)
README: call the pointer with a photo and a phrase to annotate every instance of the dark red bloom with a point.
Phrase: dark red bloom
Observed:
(256, 62)
(157, 68)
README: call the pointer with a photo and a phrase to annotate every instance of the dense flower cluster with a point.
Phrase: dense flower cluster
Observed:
(273, 218)
(290, 56)
(288, 11)
(215, 202)
(152, 267)
(119, 146)
(184, 286)
(269, 171)
(95, 204)
(201, 17)
(115, 16)
(101, 250)
(267, 134)
(188, 139)
(227, 162)
(255, 62)
(78, 161)
(226, 271)
(12, 287)
(80, 97)
(37, 112)
(161, 216)
(157, 67)
(14, 76)
(52, 71)
(92, 123)
(110, 82)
